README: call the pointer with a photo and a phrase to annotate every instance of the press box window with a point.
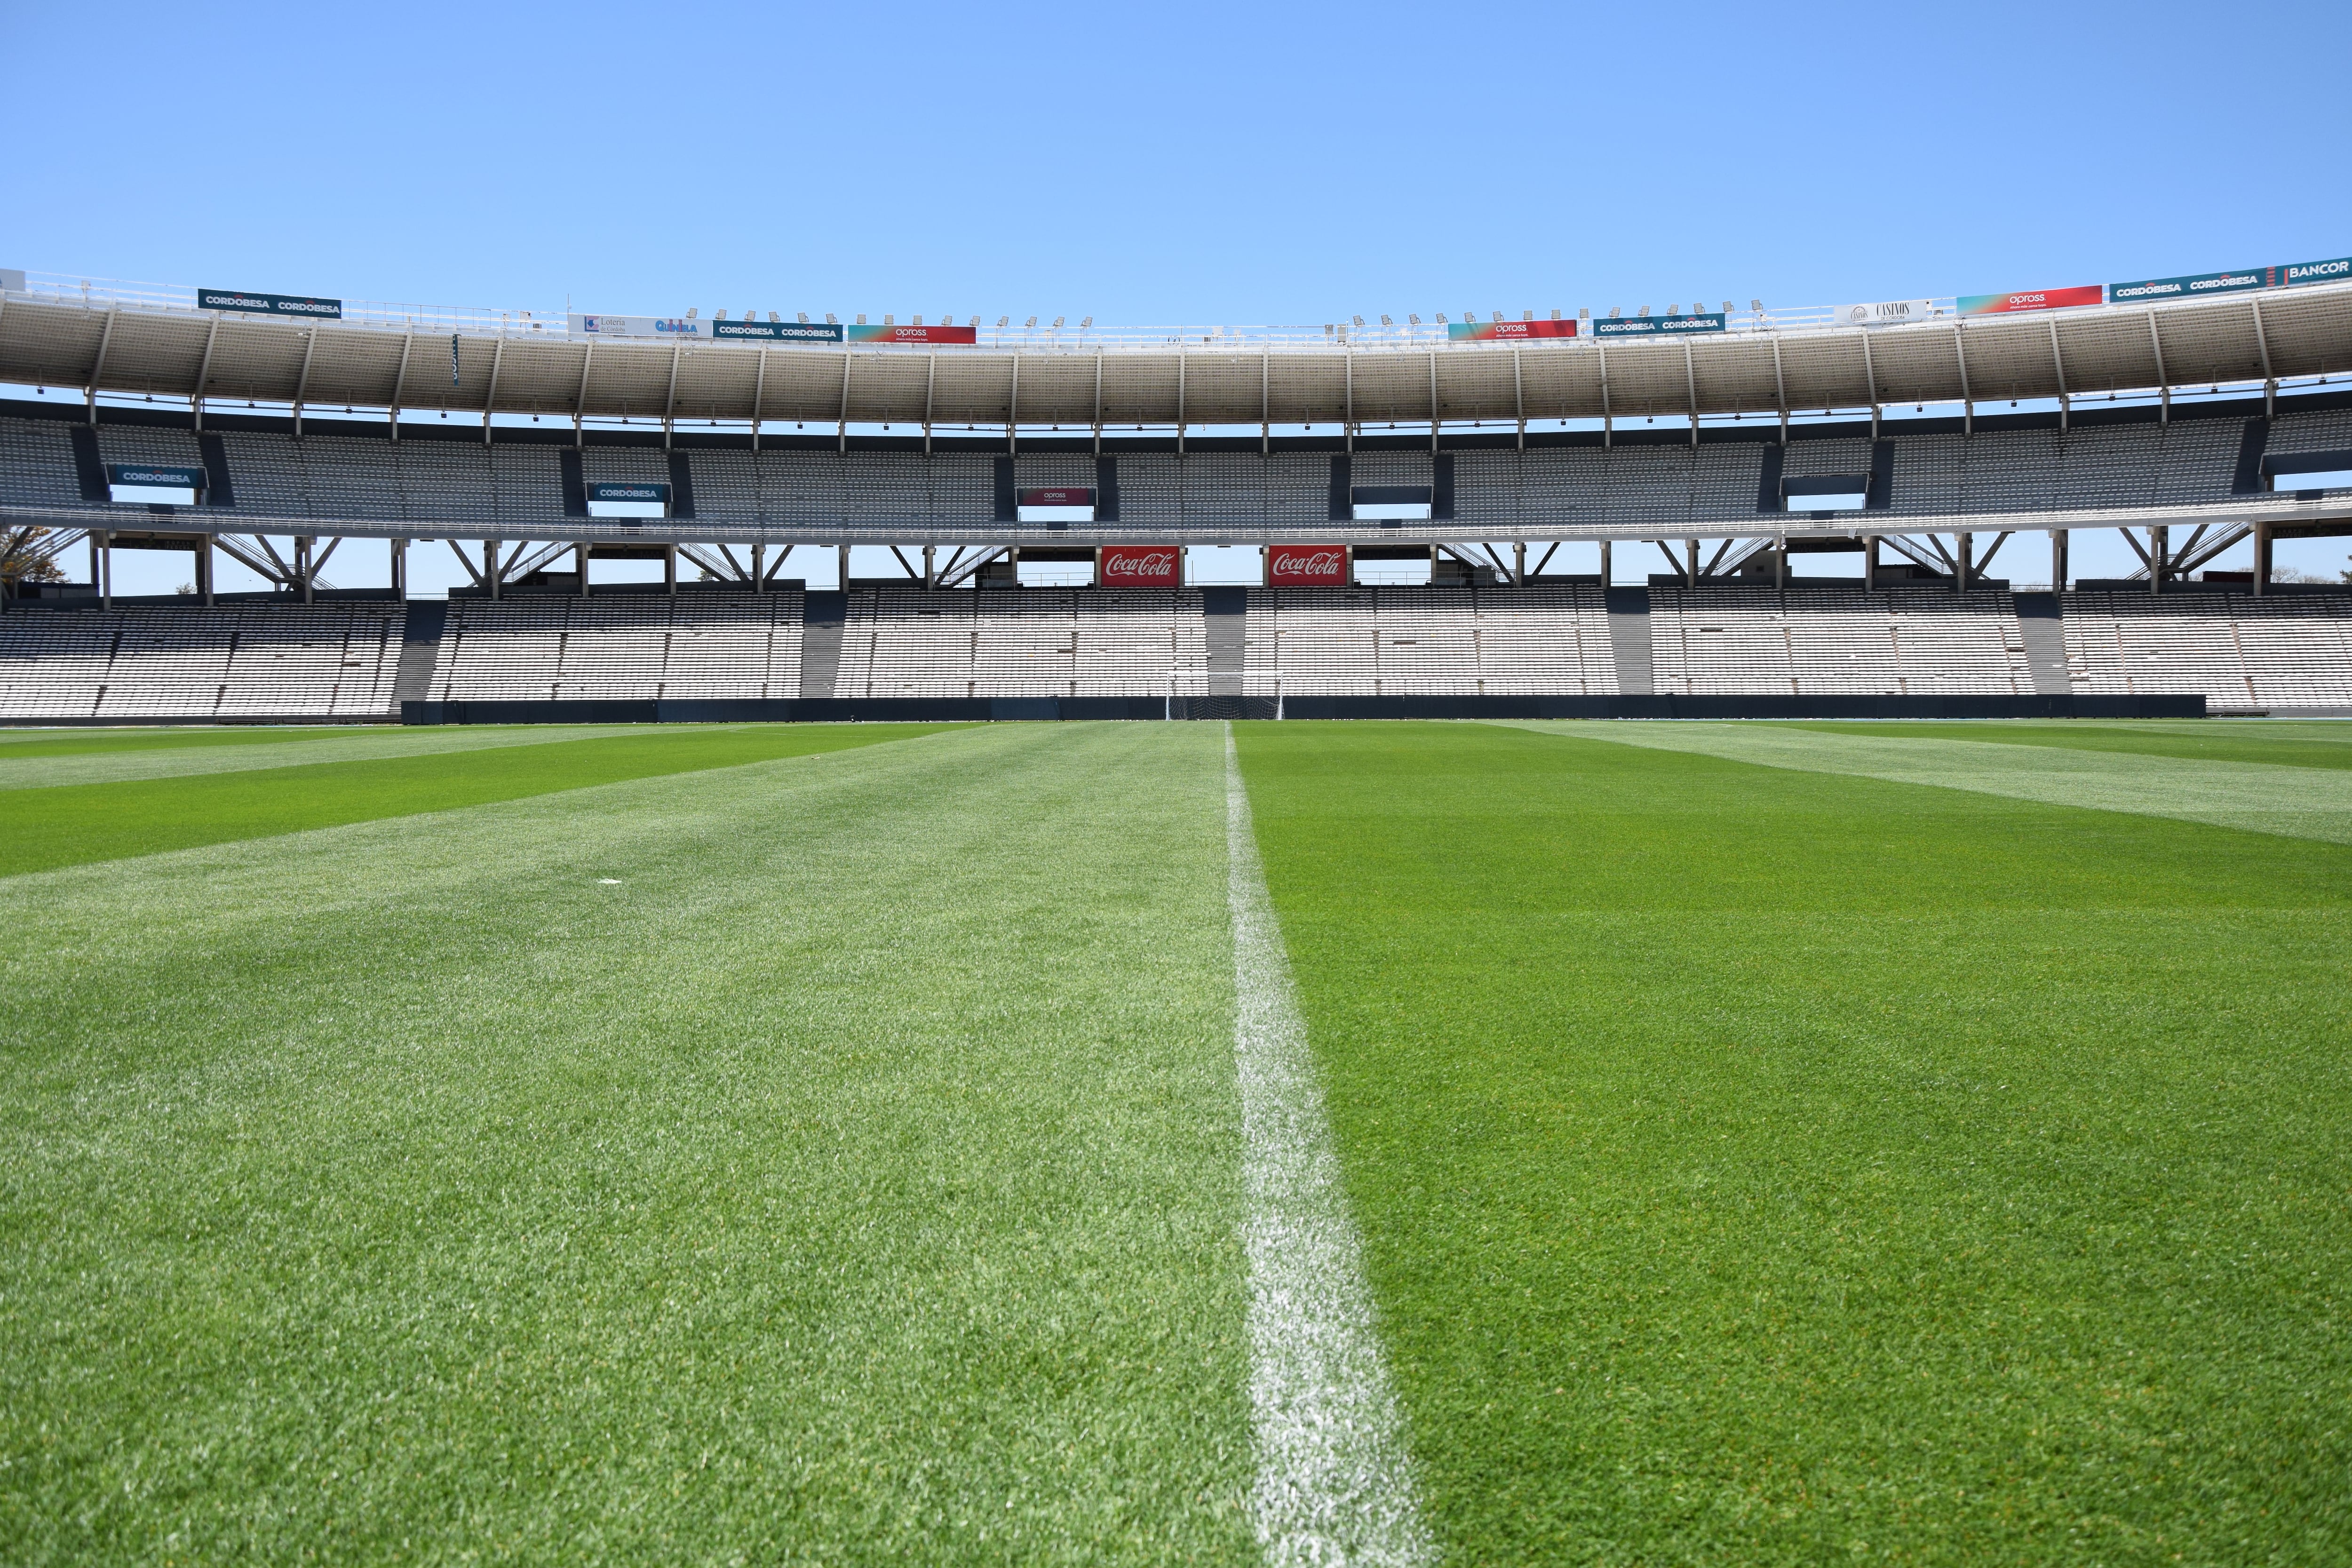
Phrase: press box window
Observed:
(135, 484)
(1068, 503)
(1389, 503)
(628, 500)
(1826, 492)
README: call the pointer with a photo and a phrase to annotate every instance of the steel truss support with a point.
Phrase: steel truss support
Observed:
(962, 570)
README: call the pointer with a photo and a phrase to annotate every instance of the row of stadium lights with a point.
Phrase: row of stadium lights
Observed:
(1615, 312)
(1087, 323)
(947, 321)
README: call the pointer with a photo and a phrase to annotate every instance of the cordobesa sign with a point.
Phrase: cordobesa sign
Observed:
(254, 302)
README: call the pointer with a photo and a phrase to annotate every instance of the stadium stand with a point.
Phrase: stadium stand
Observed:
(1836, 640)
(230, 662)
(1418, 641)
(436, 481)
(2243, 654)
(621, 646)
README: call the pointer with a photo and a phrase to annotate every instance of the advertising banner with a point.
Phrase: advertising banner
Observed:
(629, 500)
(1139, 566)
(1307, 566)
(943, 333)
(2185, 288)
(777, 332)
(155, 478)
(636, 326)
(259, 304)
(1479, 332)
(2030, 299)
(2309, 272)
(1885, 313)
(1066, 496)
(1650, 326)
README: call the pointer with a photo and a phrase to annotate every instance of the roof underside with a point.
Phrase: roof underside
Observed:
(2272, 336)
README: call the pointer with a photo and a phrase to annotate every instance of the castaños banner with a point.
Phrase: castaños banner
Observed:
(939, 334)
(1478, 332)
(259, 304)
(1885, 313)
(2031, 299)
(1307, 566)
(1139, 566)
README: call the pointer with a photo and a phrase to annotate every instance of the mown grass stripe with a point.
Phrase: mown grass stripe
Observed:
(75, 824)
(2297, 801)
(50, 770)
(1334, 1480)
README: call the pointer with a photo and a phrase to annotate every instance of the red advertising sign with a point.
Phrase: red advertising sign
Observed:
(1063, 497)
(1306, 565)
(2031, 299)
(1139, 566)
(941, 334)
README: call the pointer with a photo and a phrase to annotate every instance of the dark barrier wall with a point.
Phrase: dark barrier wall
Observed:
(905, 709)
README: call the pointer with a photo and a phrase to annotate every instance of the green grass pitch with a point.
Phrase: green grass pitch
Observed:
(1770, 1143)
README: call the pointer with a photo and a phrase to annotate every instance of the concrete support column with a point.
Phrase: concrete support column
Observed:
(759, 564)
(1870, 564)
(1604, 563)
(2057, 560)
(1780, 564)
(670, 568)
(1690, 573)
(2261, 559)
(580, 564)
(101, 567)
(490, 565)
(844, 567)
(1964, 570)
(204, 569)
(1520, 559)
(2160, 546)
(931, 566)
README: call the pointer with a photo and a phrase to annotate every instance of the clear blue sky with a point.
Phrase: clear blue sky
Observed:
(1149, 164)
(1206, 163)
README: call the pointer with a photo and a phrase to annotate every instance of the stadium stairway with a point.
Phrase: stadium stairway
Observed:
(420, 651)
(2039, 625)
(1629, 640)
(821, 614)
(1227, 612)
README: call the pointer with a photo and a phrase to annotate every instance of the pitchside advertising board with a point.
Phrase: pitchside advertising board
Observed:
(1139, 566)
(1307, 566)
(1481, 331)
(1650, 326)
(254, 302)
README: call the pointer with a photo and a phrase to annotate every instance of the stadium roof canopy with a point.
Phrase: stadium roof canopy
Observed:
(1764, 367)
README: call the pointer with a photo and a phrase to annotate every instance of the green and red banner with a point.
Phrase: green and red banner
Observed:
(1479, 332)
(939, 334)
(2031, 299)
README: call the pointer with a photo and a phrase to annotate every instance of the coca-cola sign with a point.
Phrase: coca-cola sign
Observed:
(1306, 565)
(1139, 566)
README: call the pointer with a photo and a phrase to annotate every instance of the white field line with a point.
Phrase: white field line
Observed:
(1334, 1481)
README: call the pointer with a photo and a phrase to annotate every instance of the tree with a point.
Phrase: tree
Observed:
(21, 560)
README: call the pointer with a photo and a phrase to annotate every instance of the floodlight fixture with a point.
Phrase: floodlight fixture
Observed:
(1757, 306)
(1643, 312)
(1002, 321)
(1469, 315)
(1530, 315)
(888, 320)
(1029, 324)
(975, 322)
(1674, 310)
(1085, 323)
(1555, 313)
(861, 317)
(1584, 313)
(831, 320)
(1358, 319)
(774, 317)
(1441, 318)
(1726, 307)
(1413, 319)
(718, 315)
(691, 310)
(1058, 322)
(1386, 322)
(804, 316)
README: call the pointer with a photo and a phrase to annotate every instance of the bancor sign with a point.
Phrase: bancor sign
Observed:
(1139, 566)
(1307, 566)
